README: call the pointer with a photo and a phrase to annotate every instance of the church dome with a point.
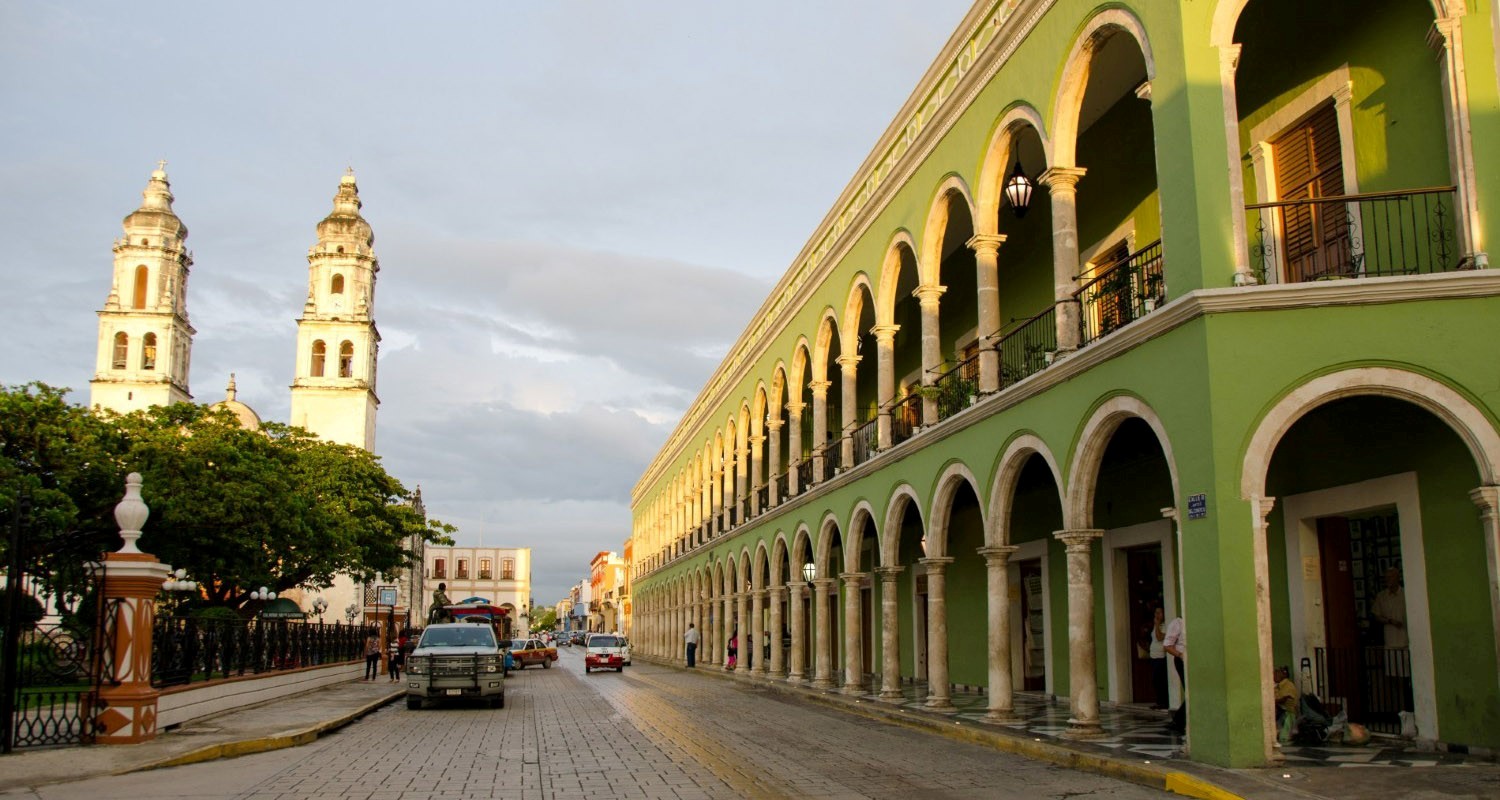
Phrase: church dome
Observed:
(155, 214)
(345, 223)
(249, 420)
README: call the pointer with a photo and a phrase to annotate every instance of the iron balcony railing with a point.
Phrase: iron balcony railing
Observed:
(783, 483)
(1354, 236)
(187, 650)
(866, 437)
(906, 417)
(805, 474)
(958, 388)
(763, 497)
(1028, 349)
(1121, 293)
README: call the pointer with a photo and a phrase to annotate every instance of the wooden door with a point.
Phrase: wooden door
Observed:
(1033, 631)
(1340, 620)
(1308, 159)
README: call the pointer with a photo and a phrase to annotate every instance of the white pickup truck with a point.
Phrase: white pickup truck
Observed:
(458, 659)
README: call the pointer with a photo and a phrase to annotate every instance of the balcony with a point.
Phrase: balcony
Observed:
(866, 441)
(1354, 236)
(906, 417)
(1121, 293)
(956, 389)
(484, 574)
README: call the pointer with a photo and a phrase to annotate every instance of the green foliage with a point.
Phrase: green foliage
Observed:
(236, 508)
(215, 612)
(31, 610)
(546, 621)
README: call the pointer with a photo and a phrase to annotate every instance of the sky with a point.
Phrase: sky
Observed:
(577, 206)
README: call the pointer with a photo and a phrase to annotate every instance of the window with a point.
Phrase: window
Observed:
(484, 569)
(122, 351)
(148, 351)
(508, 569)
(337, 286)
(346, 360)
(1112, 292)
(463, 568)
(138, 300)
(1309, 164)
(319, 353)
(440, 568)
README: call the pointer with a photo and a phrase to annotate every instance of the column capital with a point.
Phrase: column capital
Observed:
(889, 573)
(998, 554)
(1064, 179)
(853, 578)
(1143, 91)
(1079, 540)
(819, 388)
(774, 424)
(755, 439)
(885, 334)
(848, 361)
(824, 583)
(758, 594)
(929, 294)
(1229, 59)
(1441, 35)
(795, 408)
(1487, 498)
(986, 243)
(935, 563)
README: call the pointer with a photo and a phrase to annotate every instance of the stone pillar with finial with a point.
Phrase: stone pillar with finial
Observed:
(126, 708)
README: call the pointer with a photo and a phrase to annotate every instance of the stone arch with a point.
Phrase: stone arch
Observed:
(937, 222)
(997, 159)
(954, 475)
(827, 529)
(761, 566)
(1227, 15)
(828, 328)
(1460, 413)
(779, 552)
(1075, 76)
(895, 508)
(777, 391)
(1020, 450)
(890, 275)
(1083, 476)
(802, 547)
(860, 294)
(746, 569)
(863, 510)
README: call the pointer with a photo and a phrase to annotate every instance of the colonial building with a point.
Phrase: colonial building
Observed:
(606, 585)
(1133, 306)
(500, 576)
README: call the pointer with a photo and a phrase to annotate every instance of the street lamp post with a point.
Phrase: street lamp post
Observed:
(319, 606)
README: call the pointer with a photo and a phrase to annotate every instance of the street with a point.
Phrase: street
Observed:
(650, 732)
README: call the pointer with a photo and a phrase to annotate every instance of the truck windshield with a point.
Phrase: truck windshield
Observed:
(467, 636)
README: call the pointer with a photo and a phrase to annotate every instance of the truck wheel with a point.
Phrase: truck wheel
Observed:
(498, 702)
(413, 703)
(546, 663)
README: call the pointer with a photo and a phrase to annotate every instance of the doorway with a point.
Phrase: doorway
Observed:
(866, 629)
(1033, 628)
(1145, 592)
(919, 629)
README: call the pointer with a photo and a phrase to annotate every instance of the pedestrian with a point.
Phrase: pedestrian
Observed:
(372, 655)
(398, 658)
(1158, 654)
(734, 649)
(1175, 644)
(691, 637)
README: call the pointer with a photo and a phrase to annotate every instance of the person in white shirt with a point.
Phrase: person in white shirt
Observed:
(1175, 644)
(691, 637)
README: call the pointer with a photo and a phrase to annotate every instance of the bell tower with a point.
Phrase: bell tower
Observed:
(145, 341)
(333, 394)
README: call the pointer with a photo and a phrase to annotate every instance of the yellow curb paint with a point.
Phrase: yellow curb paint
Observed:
(1187, 785)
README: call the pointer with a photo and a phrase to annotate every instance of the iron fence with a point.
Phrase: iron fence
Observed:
(1371, 684)
(783, 483)
(1121, 293)
(763, 497)
(906, 417)
(804, 474)
(1354, 236)
(189, 650)
(958, 388)
(1028, 349)
(866, 438)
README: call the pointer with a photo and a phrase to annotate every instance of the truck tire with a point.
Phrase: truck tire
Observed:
(498, 702)
(546, 663)
(413, 703)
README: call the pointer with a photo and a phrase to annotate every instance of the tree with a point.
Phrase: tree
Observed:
(545, 621)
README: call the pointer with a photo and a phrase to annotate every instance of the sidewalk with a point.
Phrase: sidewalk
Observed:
(286, 722)
(1139, 749)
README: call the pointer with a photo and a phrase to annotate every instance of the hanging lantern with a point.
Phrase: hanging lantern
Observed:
(809, 572)
(1018, 190)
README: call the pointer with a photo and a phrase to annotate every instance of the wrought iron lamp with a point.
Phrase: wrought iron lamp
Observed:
(319, 606)
(179, 582)
(808, 573)
(263, 593)
(1018, 189)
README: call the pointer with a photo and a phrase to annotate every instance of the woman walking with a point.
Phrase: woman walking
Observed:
(372, 655)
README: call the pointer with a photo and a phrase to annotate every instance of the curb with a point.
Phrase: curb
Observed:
(1168, 780)
(262, 744)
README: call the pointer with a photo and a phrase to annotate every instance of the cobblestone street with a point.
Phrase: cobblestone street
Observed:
(650, 732)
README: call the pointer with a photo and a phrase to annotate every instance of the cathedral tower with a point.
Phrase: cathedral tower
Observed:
(145, 341)
(333, 395)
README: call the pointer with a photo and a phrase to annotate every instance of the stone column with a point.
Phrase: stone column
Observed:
(1446, 39)
(793, 446)
(1001, 689)
(728, 629)
(854, 667)
(823, 635)
(885, 380)
(938, 697)
(890, 634)
(1229, 61)
(126, 708)
(1487, 498)
(849, 372)
(774, 453)
(798, 671)
(714, 655)
(986, 249)
(757, 473)
(777, 665)
(929, 298)
(741, 481)
(1083, 683)
(820, 428)
(758, 631)
(1062, 182)
(730, 498)
(742, 607)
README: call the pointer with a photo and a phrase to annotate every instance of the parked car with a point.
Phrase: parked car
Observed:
(456, 659)
(606, 651)
(525, 652)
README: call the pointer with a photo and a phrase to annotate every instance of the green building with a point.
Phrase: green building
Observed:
(1135, 305)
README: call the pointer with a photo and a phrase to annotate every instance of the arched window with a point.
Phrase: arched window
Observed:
(122, 350)
(319, 352)
(148, 351)
(138, 300)
(346, 359)
(337, 287)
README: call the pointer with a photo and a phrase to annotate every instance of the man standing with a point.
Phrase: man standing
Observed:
(691, 637)
(1175, 644)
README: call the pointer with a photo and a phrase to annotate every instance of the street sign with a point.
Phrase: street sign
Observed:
(1197, 506)
(385, 595)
